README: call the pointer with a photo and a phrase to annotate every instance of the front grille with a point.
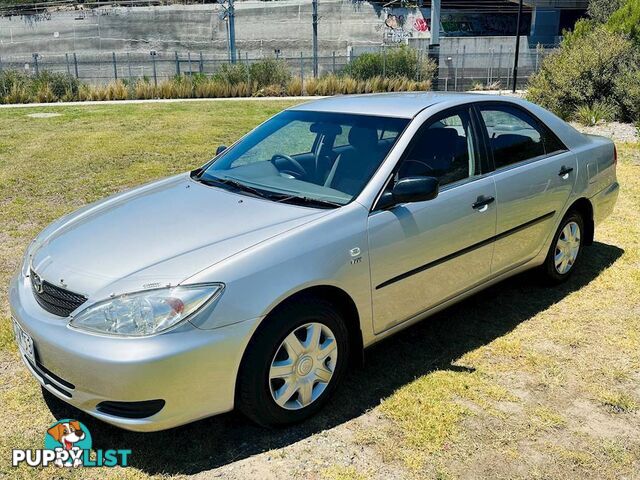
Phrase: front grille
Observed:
(54, 299)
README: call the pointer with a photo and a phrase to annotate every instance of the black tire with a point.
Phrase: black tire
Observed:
(551, 275)
(253, 393)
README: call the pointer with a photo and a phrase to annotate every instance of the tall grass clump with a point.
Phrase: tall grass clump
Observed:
(590, 115)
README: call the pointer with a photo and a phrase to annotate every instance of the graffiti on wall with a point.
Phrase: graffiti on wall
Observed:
(400, 24)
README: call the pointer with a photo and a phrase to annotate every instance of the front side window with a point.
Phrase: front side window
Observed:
(443, 148)
(514, 136)
(305, 155)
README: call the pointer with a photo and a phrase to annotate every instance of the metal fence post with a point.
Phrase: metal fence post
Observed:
(115, 65)
(75, 64)
(177, 64)
(455, 79)
(66, 59)
(189, 58)
(462, 74)
(246, 61)
(488, 71)
(35, 63)
(301, 68)
(500, 65)
(384, 62)
(129, 66)
(155, 72)
(334, 62)
(508, 77)
(201, 66)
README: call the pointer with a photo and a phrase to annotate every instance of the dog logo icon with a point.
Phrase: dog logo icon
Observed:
(70, 436)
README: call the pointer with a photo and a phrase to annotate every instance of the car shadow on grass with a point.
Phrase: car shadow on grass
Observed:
(429, 346)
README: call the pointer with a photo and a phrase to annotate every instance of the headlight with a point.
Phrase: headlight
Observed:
(147, 312)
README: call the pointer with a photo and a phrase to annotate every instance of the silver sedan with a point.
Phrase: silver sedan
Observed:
(254, 280)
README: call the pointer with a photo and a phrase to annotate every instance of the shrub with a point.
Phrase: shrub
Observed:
(232, 73)
(627, 91)
(12, 81)
(269, 71)
(56, 83)
(397, 62)
(583, 72)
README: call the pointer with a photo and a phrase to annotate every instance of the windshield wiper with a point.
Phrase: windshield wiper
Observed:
(233, 183)
(302, 200)
(277, 197)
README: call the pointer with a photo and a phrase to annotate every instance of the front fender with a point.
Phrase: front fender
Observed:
(318, 253)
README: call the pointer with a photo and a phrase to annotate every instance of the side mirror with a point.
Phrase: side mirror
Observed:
(220, 149)
(410, 189)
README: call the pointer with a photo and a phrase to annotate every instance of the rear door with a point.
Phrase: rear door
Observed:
(534, 176)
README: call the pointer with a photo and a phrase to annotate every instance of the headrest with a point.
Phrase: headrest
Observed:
(363, 138)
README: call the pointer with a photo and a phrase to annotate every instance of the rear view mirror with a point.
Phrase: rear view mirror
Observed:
(410, 189)
(220, 149)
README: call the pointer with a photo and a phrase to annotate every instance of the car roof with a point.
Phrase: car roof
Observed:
(403, 105)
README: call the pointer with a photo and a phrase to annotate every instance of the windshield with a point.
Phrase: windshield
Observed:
(312, 157)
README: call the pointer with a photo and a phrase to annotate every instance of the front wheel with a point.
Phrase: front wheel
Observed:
(293, 363)
(565, 249)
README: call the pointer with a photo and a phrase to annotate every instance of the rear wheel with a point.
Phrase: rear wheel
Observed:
(565, 249)
(293, 363)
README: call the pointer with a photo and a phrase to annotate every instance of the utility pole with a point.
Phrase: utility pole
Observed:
(434, 42)
(228, 13)
(517, 52)
(232, 31)
(314, 17)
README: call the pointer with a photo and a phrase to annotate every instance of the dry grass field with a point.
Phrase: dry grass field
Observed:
(519, 381)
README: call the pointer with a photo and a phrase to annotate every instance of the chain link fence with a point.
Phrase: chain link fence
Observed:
(457, 71)
(492, 70)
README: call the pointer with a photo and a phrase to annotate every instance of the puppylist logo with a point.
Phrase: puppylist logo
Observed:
(67, 443)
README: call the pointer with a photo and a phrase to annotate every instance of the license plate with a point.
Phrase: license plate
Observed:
(25, 342)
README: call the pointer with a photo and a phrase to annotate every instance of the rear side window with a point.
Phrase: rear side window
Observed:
(516, 136)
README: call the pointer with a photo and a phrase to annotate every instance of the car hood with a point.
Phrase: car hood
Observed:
(155, 235)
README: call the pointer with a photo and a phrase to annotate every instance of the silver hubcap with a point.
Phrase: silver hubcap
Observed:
(303, 366)
(567, 248)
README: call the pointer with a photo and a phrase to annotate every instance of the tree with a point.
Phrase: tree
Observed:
(601, 10)
(626, 20)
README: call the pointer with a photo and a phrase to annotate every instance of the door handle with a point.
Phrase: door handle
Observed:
(482, 203)
(564, 171)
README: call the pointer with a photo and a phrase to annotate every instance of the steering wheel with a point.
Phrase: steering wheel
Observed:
(421, 163)
(298, 170)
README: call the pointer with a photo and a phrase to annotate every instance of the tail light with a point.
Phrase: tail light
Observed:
(615, 155)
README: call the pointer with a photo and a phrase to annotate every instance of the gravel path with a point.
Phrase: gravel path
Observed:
(619, 132)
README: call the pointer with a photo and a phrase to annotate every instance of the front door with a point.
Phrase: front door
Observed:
(424, 253)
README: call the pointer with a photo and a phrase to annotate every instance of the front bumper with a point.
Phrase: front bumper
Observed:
(192, 370)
